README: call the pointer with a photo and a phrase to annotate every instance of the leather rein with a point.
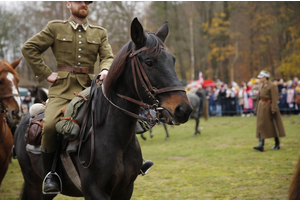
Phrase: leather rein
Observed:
(138, 71)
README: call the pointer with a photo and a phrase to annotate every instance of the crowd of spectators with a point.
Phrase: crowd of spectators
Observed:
(240, 100)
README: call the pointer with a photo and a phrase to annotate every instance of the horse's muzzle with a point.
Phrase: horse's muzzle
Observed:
(181, 115)
(16, 114)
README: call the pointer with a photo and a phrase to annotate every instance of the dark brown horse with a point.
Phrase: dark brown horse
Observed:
(294, 190)
(10, 111)
(109, 158)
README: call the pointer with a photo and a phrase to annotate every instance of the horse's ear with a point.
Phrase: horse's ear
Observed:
(163, 31)
(137, 33)
(16, 63)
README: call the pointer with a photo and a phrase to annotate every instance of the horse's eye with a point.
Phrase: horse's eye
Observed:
(149, 63)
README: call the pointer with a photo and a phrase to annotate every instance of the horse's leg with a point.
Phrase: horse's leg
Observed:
(151, 135)
(166, 129)
(3, 169)
(143, 137)
(197, 125)
(32, 190)
(94, 193)
(128, 193)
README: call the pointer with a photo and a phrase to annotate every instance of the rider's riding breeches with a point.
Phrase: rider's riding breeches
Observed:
(52, 116)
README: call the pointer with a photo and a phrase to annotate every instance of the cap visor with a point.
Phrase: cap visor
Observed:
(260, 76)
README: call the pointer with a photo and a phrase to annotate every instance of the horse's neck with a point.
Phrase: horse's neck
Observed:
(122, 123)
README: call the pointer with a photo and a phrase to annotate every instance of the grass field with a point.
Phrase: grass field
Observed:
(218, 164)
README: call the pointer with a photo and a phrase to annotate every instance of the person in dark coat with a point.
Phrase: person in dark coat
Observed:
(267, 110)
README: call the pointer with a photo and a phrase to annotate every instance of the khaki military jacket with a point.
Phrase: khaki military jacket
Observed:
(265, 126)
(72, 45)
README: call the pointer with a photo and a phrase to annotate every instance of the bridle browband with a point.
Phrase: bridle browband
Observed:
(138, 70)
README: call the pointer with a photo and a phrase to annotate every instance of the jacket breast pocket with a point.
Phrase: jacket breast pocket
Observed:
(65, 43)
(93, 46)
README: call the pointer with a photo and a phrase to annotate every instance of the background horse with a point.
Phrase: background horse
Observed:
(195, 99)
(10, 110)
(109, 157)
(39, 94)
(198, 109)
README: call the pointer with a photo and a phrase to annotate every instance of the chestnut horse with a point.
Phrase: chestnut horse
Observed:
(109, 157)
(294, 190)
(10, 110)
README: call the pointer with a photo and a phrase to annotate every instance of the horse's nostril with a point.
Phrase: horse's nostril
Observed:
(182, 112)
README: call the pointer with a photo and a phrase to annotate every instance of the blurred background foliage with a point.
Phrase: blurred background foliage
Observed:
(230, 41)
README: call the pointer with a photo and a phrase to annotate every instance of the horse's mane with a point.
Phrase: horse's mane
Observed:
(6, 66)
(153, 45)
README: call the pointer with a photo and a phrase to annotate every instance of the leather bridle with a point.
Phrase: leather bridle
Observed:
(137, 71)
(151, 92)
(3, 109)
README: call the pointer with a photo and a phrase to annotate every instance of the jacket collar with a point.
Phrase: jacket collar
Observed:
(75, 25)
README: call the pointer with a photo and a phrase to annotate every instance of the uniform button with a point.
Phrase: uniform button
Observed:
(79, 30)
(64, 38)
(80, 36)
(93, 41)
(79, 56)
(36, 77)
(79, 49)
(80, 42)
(78, 64)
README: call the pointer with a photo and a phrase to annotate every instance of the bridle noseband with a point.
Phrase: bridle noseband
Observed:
(151, 92)
(4, 109)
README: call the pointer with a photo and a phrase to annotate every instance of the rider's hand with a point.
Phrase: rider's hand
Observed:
(102, 76)
(53, 77)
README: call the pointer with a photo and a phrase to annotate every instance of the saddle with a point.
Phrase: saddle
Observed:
(33, 133)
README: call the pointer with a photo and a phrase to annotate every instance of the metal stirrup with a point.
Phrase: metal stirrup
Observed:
(44, 182)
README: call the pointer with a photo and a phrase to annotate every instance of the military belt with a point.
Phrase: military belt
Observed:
(75, 69)
(266, 100)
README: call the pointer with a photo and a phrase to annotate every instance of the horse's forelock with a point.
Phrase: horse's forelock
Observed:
(154, 44)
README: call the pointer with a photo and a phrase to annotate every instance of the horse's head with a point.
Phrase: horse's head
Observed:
(39, 94)
(156, 80)
(10, 100)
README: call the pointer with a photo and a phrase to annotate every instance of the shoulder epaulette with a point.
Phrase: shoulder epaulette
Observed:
(99, 27)
(58, 21)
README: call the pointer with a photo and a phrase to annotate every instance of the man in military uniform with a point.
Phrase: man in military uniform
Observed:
(269, 122)
(75, 44)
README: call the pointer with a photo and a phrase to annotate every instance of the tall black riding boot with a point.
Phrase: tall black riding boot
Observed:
(260, 146)
(51, 182)
(277, 144)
